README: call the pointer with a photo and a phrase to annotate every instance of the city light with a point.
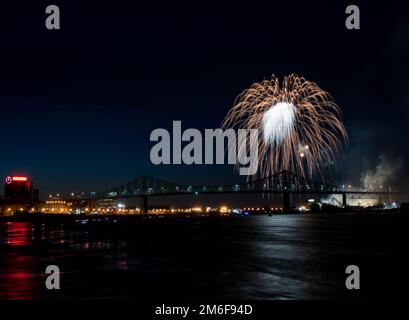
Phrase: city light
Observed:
(224, 209)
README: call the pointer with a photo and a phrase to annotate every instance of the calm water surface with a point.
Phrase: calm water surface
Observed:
(258, 257)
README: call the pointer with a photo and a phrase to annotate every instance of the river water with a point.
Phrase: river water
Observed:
(254, 257)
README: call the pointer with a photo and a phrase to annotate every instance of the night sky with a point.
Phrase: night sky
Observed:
(78, 104)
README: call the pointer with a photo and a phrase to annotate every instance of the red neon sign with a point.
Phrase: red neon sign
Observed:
(19, 178)
(10, 179)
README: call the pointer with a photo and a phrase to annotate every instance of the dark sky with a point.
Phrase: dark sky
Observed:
(78, 104)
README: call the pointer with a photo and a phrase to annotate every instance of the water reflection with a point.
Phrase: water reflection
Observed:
(279, 257)
(18, 233)
(17, 268)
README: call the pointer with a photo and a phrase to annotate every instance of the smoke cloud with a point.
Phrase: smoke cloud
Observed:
(382, 175)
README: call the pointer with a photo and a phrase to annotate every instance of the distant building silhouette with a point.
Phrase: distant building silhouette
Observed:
(19, 195)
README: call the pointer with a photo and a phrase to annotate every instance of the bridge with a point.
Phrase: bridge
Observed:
(284, 183)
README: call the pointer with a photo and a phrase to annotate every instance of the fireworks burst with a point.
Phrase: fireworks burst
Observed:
(299, 125)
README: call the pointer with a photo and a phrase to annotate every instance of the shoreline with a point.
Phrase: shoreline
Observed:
(40, 217)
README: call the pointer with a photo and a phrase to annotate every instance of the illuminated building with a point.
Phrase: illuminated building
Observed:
(20, 189)
(19, 196)
(56, 206)
(106, 203)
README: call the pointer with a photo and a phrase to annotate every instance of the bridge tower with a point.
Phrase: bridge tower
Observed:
(344, 199)
(286, 202)
(145, 204)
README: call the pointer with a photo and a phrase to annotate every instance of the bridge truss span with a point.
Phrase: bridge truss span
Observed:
(284, 181)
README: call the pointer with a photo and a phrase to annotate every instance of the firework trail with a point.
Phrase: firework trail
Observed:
(299, 126)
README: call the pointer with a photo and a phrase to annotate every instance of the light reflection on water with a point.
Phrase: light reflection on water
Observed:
(279, 257)
(17, 233)
(17, 269)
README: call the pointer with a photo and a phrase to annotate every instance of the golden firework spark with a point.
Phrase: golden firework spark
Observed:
(299, 125)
